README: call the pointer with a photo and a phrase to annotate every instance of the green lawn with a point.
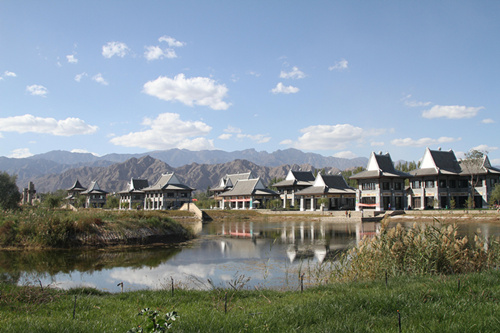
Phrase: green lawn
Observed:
(457, 303)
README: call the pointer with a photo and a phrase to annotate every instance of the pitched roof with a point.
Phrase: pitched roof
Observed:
(481, 168)
(300, 178)
(77, 186)
(249, 187)
(437, 162)
(94, 188)
(328, 184)
(229, 180)
(167, 181)
(380, 165)
(136, 185)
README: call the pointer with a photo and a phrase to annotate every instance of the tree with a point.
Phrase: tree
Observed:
(495, 195)
(9, 192)
(112, 201)
(471, 164)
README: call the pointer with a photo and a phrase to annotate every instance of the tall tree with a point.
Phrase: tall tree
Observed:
(9, 192)
(471, 165)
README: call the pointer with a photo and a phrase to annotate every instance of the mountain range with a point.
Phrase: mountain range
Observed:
(199, 169)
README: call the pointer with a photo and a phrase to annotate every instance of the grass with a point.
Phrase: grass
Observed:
(45, 228)
(456, 303)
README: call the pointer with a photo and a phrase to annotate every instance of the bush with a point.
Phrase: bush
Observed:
(419, 250)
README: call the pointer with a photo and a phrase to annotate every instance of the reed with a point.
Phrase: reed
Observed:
(421, 250)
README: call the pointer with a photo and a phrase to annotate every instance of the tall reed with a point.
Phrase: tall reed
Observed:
(420, 250)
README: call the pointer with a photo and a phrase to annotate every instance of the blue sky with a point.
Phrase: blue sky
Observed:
(338, 78)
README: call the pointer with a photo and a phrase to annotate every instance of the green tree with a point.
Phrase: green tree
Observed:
(9, 192)
(112, 201)
(471, 165)
(495, 195)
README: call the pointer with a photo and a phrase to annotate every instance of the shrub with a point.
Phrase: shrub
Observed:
(420, 250)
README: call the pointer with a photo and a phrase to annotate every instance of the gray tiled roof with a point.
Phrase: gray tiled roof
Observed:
(166, 182)
(445, 161)
(77, 186)
(248, 187)
(94, 188)
(333, 184)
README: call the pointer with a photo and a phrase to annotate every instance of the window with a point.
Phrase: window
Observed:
(453, 183)
(429, 183)
(369, 186)
(463, 183)
(442, 183)
(398, 186)
(416, 184)
(170, 194)
(386, 186)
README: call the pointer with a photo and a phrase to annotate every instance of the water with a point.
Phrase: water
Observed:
(249, 254)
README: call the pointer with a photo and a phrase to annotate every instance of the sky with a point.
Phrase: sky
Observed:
(337, 78)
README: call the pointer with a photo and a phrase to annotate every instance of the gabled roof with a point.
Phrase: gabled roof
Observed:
(77, 186)
(328, 184)
(481, 168)
(249, 187)
(136, 185)
(94, 188)
(230, 180)
(299, 178)
(167, 181)
(437, 162)
(380, 165)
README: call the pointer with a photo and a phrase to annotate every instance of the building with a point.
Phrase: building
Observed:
(133, 197)
(226, 184)
(293, 182)
(380, 186)
(247, 194)
(329, 192)
(74, 193)
(444, 182)
(94, 196)
(167, 193)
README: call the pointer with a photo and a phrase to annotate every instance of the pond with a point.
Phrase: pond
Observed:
(240, 254)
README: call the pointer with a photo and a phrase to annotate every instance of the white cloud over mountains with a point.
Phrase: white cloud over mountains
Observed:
(155, 52)
(201, 91)
(231, 132)
(339, 65)
(168, 131)
(29, 123)
(330, 137)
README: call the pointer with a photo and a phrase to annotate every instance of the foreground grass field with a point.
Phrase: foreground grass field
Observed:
(457, 303)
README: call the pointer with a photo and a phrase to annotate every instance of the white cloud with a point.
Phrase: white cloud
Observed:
(172, 42)
(451, 111)
(155, 53)
(37, 90)
(30, 123)
(168, 131)
(345, 154)
(281, 89)
(189, 91)
(413, 103)
(423, 142)
(488, 121)
(232, 129)
(99, 79)
(329, 137)
(72, 59)
(83, 151)
(78, 77)
(115, 48)
(225, 136)
(20, 153)
(259, 138)
(376, 143)
(339, 65)
(295, 73)
(11, 74)
(485, 148)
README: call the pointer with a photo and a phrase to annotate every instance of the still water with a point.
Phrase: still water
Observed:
(253, 254)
